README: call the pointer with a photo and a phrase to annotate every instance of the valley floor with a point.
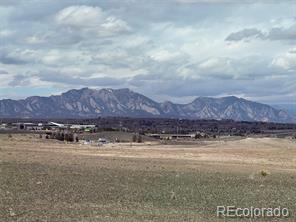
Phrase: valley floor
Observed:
(46, 180)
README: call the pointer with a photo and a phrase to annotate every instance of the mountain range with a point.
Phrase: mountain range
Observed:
(92, 103)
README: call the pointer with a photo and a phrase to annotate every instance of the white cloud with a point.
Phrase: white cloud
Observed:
(286, 61)
(80, 16)
(113, 24)
(90, 19)
(62, 58)
(34, 39)
(163, 55)
(6, 33)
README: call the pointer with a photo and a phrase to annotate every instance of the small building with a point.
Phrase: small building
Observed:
(83, 127)
(176, 136)
(154, 135)
(27, 126)
(3, 126)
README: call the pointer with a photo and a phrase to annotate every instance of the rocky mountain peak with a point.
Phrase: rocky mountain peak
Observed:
(91, 103)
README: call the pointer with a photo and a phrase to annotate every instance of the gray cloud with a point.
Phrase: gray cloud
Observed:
(78, 81)
(6, 58)
(245, 34)
(3, 72)
(229, 1)
(10, 2)
(211, 87)
(283, 33)
(277, 33)
(222, 76)
(217, 1)
(19, 80)
(177, 48)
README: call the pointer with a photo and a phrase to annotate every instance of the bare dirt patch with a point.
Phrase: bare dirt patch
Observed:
(44, 180)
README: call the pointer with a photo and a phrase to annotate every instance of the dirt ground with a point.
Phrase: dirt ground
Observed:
(46, 180)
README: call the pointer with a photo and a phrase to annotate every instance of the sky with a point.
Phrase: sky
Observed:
(166, 49)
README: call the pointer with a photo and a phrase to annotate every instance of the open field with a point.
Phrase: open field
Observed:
(46, 180)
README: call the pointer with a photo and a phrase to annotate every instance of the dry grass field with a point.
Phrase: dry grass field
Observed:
(46, 180)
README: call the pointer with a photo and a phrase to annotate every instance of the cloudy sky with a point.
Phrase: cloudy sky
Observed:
(167, 49)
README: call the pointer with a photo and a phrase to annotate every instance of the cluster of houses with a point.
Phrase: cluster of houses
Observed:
(68, 132)
(50, 126)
